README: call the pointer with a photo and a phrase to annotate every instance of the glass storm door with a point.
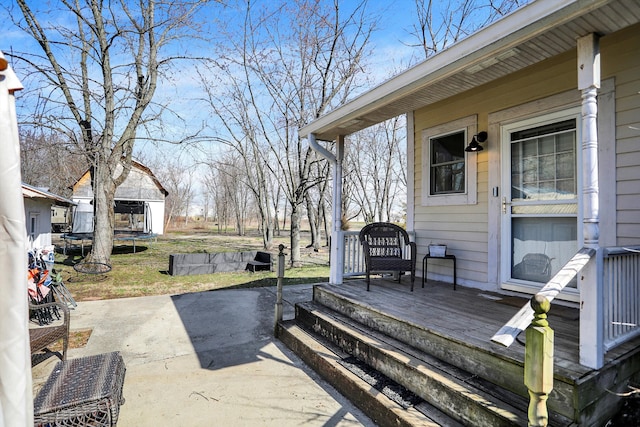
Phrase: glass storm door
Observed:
(540, 201)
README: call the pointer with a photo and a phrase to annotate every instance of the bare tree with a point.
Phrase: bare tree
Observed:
(229, 186)
(232, 175)
(217, 192)
(178, 180)
(440, 24)
(375, 169)
(99, 74)
(207, 199)
(317, 204)
(48, 161)
(294, 61)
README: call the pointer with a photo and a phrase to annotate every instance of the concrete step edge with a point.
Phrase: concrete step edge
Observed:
(446, 391)
(325, 361)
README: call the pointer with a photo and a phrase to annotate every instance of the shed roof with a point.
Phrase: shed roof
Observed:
(136, 165)
(153, 177)
(533, 33)
(31, 192)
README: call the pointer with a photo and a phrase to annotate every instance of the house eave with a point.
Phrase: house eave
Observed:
(30, 192)
(515, 42)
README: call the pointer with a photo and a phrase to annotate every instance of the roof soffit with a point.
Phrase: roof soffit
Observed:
(508, 45)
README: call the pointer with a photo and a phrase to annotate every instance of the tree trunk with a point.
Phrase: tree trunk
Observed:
(267, 228)
(267, 235)
(313, 225)
(295, 235)
(284, 217)
(325, 223)
(104, 192)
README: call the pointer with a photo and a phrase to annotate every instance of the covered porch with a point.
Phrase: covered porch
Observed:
(473, 315)
(536, 76)
(439, 328)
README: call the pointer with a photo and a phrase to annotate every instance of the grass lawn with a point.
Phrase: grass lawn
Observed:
(145, 271)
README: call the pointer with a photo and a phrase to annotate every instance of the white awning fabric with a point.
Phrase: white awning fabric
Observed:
(16, 398)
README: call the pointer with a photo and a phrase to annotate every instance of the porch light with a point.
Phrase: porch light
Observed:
(474, 145)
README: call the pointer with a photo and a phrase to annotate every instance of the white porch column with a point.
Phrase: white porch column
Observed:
(337, 239)
(591, 327)
(411, 146)
(589, 83)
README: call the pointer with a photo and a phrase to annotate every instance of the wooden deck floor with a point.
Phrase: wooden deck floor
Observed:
(468, 315)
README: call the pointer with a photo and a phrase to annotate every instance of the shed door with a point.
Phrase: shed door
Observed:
(33, 230)
(540, 201)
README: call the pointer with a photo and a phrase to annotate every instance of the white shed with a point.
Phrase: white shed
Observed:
(140, 197)
(37, 209)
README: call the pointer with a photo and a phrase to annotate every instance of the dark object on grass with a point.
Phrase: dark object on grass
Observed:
(208, 263)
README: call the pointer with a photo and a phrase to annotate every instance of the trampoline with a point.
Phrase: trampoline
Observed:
(122, 235)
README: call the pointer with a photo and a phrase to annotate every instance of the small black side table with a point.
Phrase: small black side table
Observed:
(424, 267)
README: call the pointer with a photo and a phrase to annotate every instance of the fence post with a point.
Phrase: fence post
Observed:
(278, 316)
(538, 362)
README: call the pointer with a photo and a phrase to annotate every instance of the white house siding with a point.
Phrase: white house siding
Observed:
(40, 210)
(623, 49)
(466, 228)
(139, 185)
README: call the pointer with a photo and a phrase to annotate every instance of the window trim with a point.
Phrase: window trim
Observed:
(461, 137)
(469, 125)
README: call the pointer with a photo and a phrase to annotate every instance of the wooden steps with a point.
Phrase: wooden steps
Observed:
(325, 360)
(332, 329)
(464, 350)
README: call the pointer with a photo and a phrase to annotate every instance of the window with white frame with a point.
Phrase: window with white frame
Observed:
(449, 173)
(447, 168)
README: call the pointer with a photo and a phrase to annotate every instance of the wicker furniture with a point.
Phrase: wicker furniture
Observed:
(384, 250)
(82, 392)
(41, 337)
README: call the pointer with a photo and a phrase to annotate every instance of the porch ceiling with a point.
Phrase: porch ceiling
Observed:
(531, 34)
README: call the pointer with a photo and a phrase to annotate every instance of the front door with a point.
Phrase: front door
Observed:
(540, 211)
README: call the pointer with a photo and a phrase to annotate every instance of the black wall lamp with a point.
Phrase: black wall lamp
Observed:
(474, 145)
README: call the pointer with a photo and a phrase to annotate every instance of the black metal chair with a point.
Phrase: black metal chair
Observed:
(384, 250)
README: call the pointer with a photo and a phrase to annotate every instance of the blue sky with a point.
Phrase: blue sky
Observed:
(390, 55)
(389, 52)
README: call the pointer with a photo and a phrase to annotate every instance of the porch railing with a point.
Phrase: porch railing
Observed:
(618, 272)
(353, 256)
(532, 317)
(621, 295)
(521, 320)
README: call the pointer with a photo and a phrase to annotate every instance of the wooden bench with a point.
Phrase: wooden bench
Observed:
(86, 391)
(41, 337)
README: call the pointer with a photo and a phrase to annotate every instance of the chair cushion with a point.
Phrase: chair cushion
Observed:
(390, 264)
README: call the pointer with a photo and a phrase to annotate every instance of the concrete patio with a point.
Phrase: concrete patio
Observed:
(208, 358)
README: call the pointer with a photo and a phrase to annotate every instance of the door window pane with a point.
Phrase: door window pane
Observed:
(545, 159)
